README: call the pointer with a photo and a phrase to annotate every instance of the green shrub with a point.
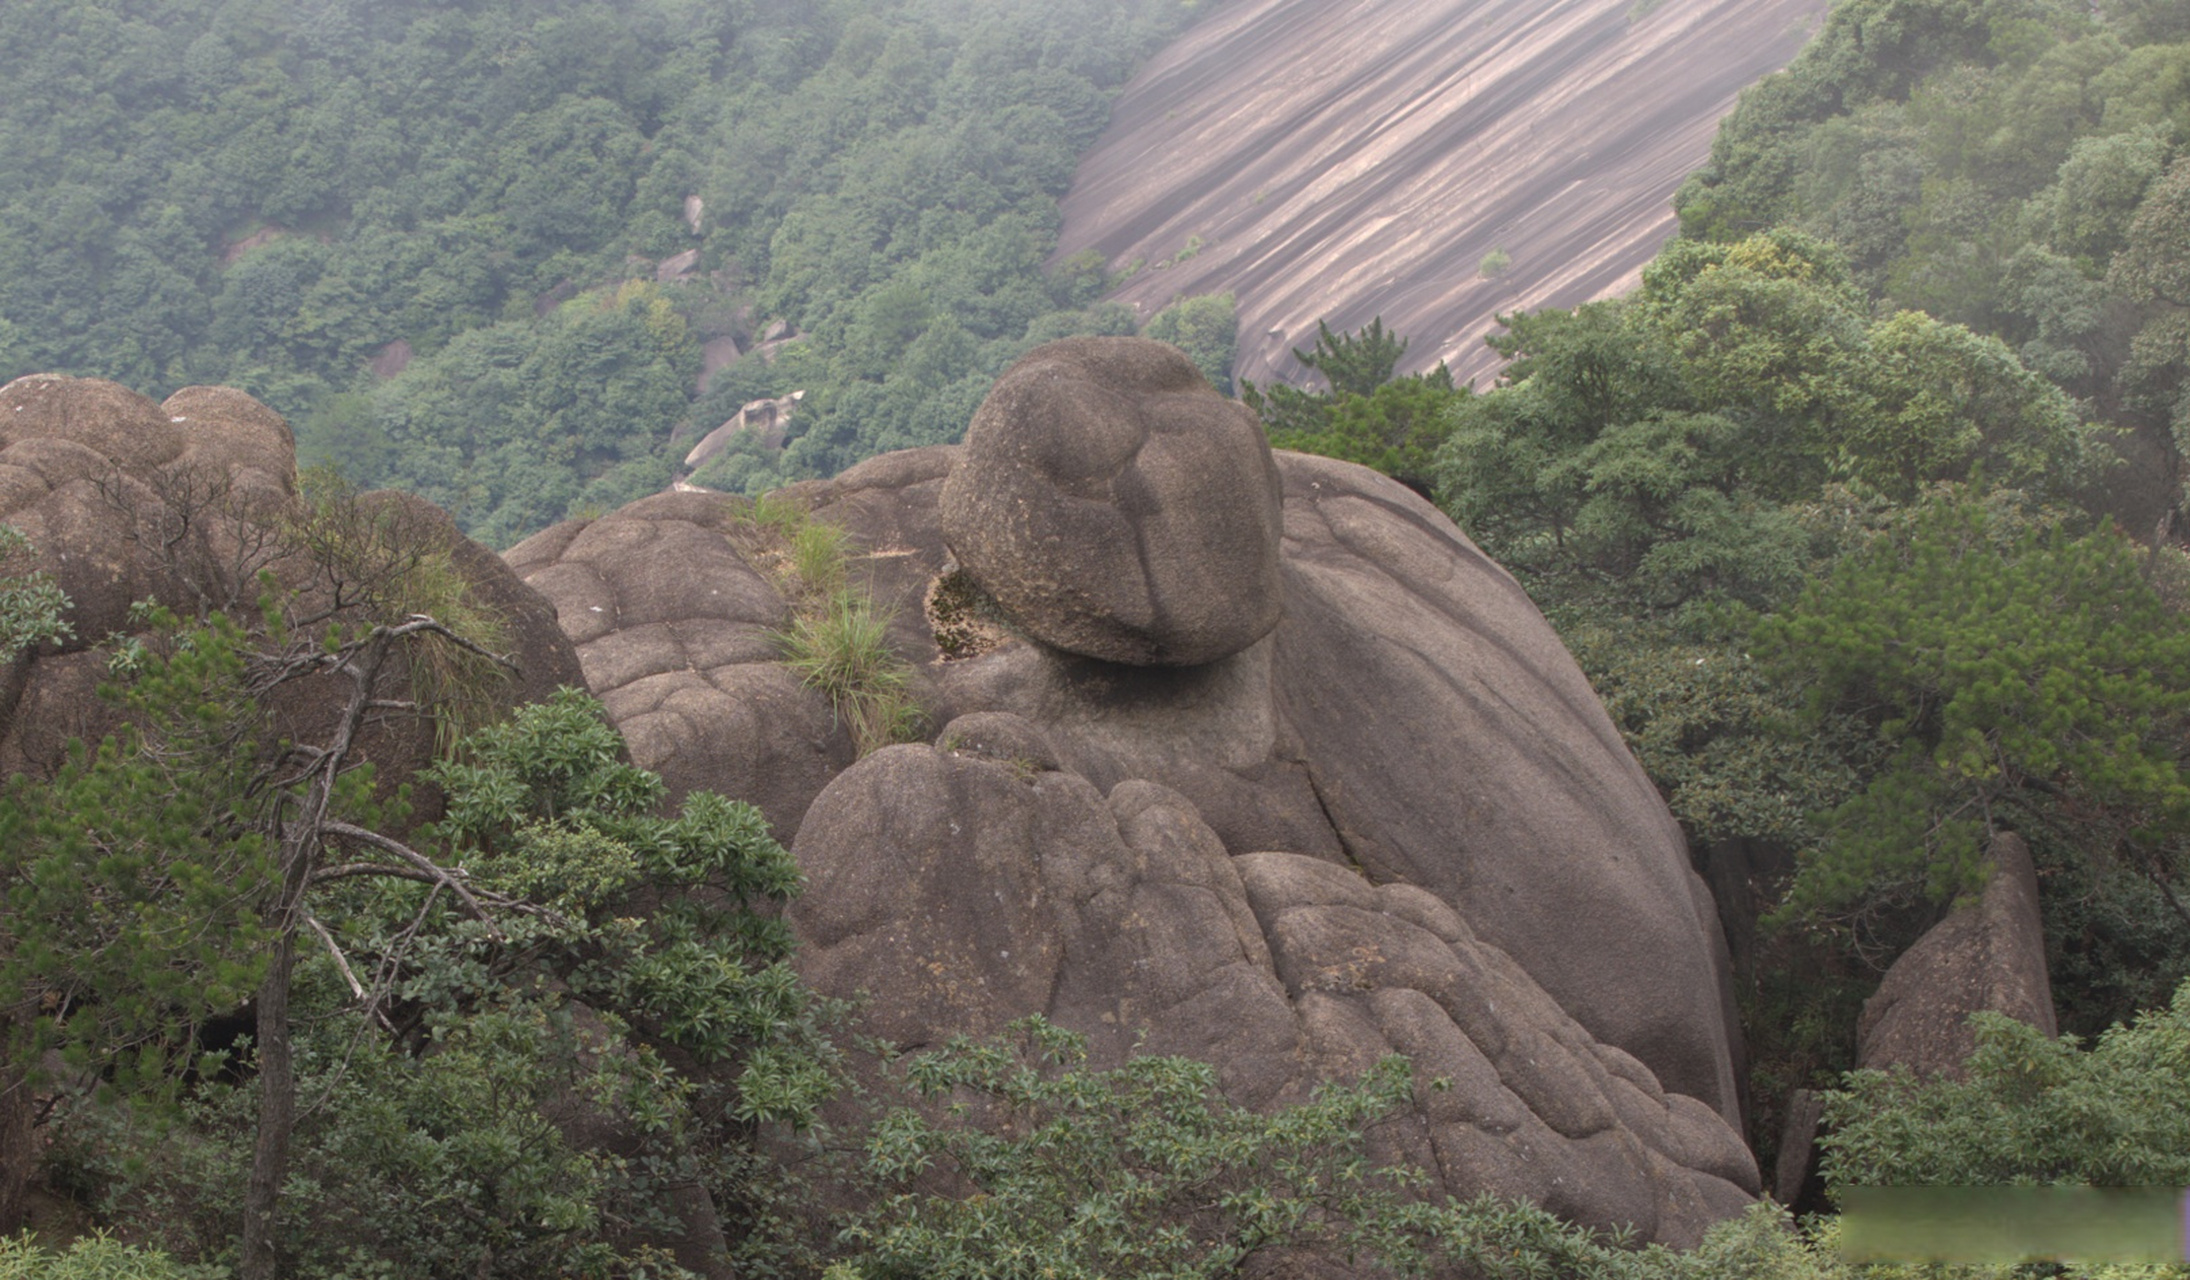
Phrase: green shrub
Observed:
(2033, 1110)
(94, 1258)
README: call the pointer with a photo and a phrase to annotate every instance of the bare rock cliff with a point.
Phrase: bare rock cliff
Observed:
(1345, 159)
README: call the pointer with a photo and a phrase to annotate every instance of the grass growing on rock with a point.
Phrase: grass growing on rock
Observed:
(838, 639)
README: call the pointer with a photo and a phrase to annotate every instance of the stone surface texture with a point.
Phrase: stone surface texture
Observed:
(1385, 815)
(1986, 956)
(676, 632)
(1344, 161)
(1117, 507)
(1395, 820)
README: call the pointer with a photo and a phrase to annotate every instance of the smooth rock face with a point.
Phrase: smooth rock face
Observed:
(1989, 955)
(1117, 507)
(963, 892)
(1414, 716)
(1456, 746)
(1349, 159)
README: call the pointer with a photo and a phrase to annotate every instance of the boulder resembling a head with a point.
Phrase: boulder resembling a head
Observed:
(1115, 506)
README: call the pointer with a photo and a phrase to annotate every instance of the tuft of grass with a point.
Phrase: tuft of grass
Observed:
(818, 551)
(838, 641)
(843, 651)
(1494, 264)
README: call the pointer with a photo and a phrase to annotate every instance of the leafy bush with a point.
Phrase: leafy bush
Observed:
(1394, 425)
(30, 605)
(2033, 1110)
(94, 1258)
(1206, 329)
(2002, 661)
(1022, 1163)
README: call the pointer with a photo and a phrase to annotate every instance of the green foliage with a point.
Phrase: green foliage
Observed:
(31, 605)
(843, 650)
(461, 1155)
(1206, 328)
(2032, 1110)
(97, 1257)
(1396, 428)
(544, 809)
(1998, 657)
(2011, 166)
(1713, 727)
(838, 641)
(501, 1099)
(1946, 403)
(134, 878)
(1367, 417)
(1141, 1170)
(1057, 1169)
(1354, 363)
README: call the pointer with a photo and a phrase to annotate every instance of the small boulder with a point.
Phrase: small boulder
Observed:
(1117, 507)
(1986, 956)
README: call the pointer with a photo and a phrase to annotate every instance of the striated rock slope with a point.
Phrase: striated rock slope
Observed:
(1354, 158)
(1398, 819)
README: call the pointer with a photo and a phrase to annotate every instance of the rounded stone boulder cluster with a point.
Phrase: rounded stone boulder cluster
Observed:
(1116, 507)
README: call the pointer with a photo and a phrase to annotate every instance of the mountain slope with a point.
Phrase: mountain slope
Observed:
(1345, 159)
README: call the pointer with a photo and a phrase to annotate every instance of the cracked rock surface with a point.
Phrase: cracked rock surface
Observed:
(127, 499)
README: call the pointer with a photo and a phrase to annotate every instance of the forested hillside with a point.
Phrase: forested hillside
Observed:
(536, 221)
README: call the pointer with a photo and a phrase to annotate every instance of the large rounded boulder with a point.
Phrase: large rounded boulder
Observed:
(1116, 507)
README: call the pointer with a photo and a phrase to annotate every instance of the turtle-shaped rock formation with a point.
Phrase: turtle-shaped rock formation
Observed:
(1398, 819)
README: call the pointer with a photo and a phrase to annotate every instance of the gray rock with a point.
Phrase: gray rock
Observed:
(674, 631)
(964, 892)
(1413, 715)
(1117, 507)
(1398, 821)
(1988, 955)
(1457, 747)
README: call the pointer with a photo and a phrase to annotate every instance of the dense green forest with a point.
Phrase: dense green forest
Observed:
(1860, 512)
(286, 196)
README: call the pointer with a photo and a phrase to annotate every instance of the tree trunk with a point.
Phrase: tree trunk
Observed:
(18, 1151)
(277, 1116)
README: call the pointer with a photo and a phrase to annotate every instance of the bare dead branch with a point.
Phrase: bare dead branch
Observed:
(453, 879)
(342, 963)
